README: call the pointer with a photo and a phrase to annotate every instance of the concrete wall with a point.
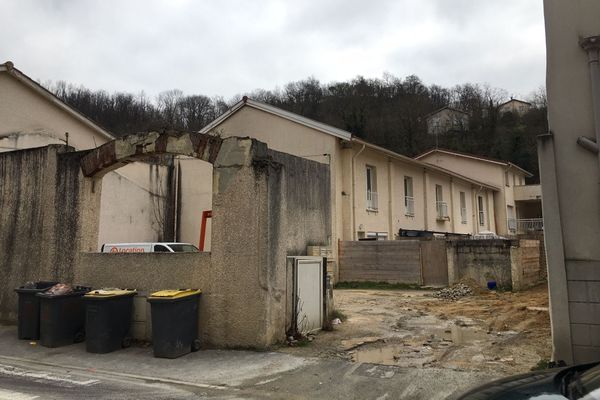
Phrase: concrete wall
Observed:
(569, 177)
(43, 197)
(513, 264)
(148, 273)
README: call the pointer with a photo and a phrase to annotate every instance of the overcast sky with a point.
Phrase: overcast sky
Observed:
(224, 47)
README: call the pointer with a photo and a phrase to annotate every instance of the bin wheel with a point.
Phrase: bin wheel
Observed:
(79, 337)
(196, 345)
(126, 342)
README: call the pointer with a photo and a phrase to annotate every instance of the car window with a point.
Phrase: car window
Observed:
(161, 249)
(184, 248)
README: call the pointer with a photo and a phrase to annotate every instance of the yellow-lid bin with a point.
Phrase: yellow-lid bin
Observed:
(174, 294)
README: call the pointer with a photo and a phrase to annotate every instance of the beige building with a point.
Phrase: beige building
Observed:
(517, 107)
(517, 205)
(134, 197)
(376, 193)
(570, 172)
(447, 119)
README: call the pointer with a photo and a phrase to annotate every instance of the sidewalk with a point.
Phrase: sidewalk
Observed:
(249, 374)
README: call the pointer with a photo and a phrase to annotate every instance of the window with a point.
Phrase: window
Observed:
(514, 180)
(440, 206)
(463, 208)
(510, 219)
(159, 248)
(481, 211)
(371, 188)
(409, 200)
(506, 178)
(377, 236)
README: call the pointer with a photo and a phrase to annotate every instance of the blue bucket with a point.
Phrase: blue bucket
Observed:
(491, 285)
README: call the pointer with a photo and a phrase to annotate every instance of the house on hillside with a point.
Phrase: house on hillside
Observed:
(446, 119)
(517, 107)
(518, 207)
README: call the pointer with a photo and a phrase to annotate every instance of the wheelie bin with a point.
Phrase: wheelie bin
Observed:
(174, 322)
(108, 319)
(29, 309)
(62, 317)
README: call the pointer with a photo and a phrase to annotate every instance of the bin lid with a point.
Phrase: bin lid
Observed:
(103, 293)
(174, 294)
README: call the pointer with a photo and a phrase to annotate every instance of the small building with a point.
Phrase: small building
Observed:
(447, 119)
(518, 207)
(517, 107)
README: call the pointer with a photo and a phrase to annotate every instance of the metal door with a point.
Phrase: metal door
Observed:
(434, 264)
(309, 293)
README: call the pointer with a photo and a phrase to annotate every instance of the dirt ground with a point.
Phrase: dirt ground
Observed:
(503, 332)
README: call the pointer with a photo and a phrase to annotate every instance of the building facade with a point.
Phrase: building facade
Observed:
(517, 205)
(446, 120)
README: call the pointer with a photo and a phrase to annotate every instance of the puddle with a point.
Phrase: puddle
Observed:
(419, 349)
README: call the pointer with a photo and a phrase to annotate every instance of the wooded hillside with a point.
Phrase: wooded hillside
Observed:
(389, 112)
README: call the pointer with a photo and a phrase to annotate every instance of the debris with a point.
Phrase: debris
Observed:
(453, 293)
(336, 321)
(60, 288)
(537, 308)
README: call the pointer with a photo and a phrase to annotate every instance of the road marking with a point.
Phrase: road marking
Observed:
(10, 395)
(120, 374)
(14, 371)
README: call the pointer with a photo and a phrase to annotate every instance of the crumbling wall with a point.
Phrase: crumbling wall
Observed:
(40, 198)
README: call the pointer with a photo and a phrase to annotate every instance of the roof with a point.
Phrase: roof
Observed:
(425, 165)
(328, 129)
(446, 108)
(9, 68)
(511, 100)
(474, 157)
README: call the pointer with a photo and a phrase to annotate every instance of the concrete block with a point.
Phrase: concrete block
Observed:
(585, 313)
(577, 291)
(580, 334)
(593, 291)
(585, 354)
(583, 270)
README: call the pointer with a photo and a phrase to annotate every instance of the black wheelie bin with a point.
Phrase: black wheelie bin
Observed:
(29, 309)
(174, 322)
(108, 319)
(62, 315)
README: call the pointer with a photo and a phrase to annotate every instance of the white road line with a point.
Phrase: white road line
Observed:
(14, 371)
(10, 395)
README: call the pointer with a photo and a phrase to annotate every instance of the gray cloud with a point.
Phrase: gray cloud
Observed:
(230, 47)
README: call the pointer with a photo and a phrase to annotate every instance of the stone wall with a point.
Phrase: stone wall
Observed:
(513, 264)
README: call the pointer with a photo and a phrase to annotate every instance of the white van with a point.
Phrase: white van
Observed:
(148, 248)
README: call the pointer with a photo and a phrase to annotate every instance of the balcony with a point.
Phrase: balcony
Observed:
(529, 225)
(512, 225)
(442, 210)
(409, 205)
(372, 203)
(463, 215)
(528, 192)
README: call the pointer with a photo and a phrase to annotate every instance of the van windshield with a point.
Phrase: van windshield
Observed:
(184, 248)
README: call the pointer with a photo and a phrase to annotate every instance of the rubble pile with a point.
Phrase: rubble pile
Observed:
(453, 293)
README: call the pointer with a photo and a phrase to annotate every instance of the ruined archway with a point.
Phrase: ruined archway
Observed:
(120, 152)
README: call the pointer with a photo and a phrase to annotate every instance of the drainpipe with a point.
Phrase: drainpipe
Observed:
(354, 235)
(592, 46)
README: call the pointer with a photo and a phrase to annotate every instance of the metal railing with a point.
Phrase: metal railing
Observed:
(409, 206)
(372, 203)
(442, 209)
(530, 225)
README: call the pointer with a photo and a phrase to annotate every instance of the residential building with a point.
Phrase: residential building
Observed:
(447, 119)
(518, 207)
(517, 107)
(375, 191)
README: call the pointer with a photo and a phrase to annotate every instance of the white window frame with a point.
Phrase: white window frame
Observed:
(481, 210)
(409, 200)
(463, 207)
(371, 184)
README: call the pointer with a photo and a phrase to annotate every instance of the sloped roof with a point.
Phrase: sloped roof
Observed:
(328, 129)
(445, 108)
(474, 157)
(9, 68)
(511, 100)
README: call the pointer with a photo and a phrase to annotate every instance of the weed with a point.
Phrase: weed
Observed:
(542, 364)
